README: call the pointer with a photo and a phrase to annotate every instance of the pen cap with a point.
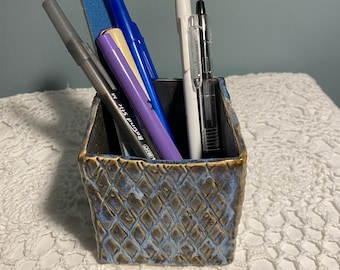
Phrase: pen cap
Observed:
(202, 17)
(135, 41)
(60, 21)
(122, 17)
(79, 50)
(118, 36)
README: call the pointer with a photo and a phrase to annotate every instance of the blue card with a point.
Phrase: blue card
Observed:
(97, 16)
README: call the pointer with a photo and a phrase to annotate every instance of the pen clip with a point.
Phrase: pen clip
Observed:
(195, 51)
(147, 61)
(144, 54)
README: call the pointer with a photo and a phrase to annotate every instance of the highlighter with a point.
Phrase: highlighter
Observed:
(138, 99)
(118, 37)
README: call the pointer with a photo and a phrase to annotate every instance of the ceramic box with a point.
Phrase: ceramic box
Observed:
(165, 212)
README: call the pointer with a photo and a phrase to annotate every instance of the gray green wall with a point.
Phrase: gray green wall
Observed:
(248, 37)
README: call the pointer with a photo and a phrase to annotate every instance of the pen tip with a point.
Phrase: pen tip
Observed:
(200, 7)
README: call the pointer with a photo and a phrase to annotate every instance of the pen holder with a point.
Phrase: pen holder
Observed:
(165, 212)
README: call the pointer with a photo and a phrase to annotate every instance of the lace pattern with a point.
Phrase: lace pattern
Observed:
(291, 212)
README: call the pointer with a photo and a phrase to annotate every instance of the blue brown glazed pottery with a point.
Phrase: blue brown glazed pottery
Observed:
(165, 212)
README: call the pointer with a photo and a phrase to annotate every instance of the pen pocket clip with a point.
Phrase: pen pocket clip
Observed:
(194, 51)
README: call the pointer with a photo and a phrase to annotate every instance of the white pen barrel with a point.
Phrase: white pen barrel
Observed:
(183, 12)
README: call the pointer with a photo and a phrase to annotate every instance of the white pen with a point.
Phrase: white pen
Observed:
(183, 13)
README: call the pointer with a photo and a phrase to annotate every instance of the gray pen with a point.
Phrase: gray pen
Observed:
(133, 137)
(206, 92)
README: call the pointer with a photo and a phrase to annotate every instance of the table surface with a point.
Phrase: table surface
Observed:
(291, 211)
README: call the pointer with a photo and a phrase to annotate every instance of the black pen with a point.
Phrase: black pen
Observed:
(206, 92)
(85, 57)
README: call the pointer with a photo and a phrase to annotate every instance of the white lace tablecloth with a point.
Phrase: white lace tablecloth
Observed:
(291, 211)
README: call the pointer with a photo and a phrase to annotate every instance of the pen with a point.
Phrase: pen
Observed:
(140, 53)
(133, 90)
(206, 92)
(183, 13)
(112, 98)
(133, 36)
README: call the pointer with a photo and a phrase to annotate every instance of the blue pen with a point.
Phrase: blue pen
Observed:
(140, 53)
(132, 34)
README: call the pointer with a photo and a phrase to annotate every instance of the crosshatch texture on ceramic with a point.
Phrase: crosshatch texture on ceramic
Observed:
(164, 212)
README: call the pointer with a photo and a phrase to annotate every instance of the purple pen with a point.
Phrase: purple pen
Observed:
(133, 90)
